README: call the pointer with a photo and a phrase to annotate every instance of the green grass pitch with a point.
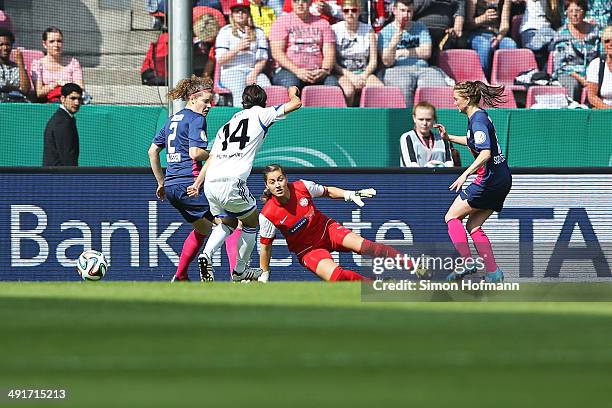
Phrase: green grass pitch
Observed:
(288, 345)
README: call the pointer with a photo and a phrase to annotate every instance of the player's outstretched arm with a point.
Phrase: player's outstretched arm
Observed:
(349, 195)
(295, 102)
(483, 157)
(154, 151)
(265, 254)
(462, 140)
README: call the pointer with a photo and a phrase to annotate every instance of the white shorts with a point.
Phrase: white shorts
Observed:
(229, 197)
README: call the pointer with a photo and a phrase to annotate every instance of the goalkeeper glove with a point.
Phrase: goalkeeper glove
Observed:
(356, 196)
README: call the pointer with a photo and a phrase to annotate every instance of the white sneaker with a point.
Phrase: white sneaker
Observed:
(265, 277)
(249, 274)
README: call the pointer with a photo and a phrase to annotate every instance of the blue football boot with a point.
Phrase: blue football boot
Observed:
(494, 277)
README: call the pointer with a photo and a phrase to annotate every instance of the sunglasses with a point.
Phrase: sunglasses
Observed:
(301, 1)
(350, 10)
(607, 41)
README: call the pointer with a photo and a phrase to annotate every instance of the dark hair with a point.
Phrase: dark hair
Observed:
(51, 29)
(406, 3)
(254, 95)
(189, 86)
(266, 194)
(583, 4)
(477, 90)
(425, 105)
(71, 87)
(9, 34)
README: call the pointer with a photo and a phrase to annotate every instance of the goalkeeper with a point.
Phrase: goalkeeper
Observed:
(310, 234)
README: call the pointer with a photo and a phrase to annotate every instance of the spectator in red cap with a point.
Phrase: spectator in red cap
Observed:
(242, 51)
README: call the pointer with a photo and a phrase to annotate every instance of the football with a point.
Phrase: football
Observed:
(92, 265)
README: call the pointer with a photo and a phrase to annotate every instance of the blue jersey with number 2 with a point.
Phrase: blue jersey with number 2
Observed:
(183, 130)
(481, 135)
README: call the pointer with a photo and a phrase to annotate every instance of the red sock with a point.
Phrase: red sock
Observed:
(341, 274)
(457, 234)
(231, 247)
(376, 250)
(191, 247)
(483, 246)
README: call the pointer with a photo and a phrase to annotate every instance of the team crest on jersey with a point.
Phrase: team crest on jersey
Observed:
(480, 137)
(303, 201)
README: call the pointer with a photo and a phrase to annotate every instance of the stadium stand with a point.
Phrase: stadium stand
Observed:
(382, 97)
(534, 91)
(276, 95)
(507, 64)
(462, 65)
(440, 97)
(323, 96)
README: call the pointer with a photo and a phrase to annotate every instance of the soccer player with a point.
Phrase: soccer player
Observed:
(185, 140)
(492, 184)
(226, 171)
(310, 234)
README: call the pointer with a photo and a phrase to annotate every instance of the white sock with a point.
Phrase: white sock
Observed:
(265, 277)
(216, 239)
(245, 248)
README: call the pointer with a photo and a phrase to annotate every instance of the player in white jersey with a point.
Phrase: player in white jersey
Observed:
(226, 171)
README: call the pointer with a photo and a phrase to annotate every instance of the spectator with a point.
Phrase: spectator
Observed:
(600, 90)
(599, 13)
(421, 147)
(575, 46)
(242, 51)
(488, 22)
(304, 47)
(405, 47)
(5, 21)
(61, 144)
(329, 10)
(207, 22)
(444, 20)
(263, 16)
(541, 20)
(356, 53)
(14, 75)
(54, 70)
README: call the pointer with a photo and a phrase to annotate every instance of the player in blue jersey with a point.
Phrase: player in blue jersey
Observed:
(491, 186)
(185, 140)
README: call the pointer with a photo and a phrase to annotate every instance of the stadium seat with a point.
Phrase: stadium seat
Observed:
(509, 103)
(5, 21)
(508, 63)
(28, 57)
(225, 5)
(534, 91)
(276, 95)
(515, 29)
(323, 96)
(382, 97)
(462, 65)
(440, 97)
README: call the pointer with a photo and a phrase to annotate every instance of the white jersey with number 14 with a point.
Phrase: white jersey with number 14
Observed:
(239, 140)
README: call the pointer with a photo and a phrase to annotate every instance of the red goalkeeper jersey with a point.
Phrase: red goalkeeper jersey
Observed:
(302, 225)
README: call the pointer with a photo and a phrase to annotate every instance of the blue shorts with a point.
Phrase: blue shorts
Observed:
(484, 197)
(191, 208)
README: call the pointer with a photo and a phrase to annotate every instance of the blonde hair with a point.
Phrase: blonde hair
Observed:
(189, 86)
(477, 90)
(607, 32)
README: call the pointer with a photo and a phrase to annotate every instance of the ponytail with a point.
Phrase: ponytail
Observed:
(477, 90)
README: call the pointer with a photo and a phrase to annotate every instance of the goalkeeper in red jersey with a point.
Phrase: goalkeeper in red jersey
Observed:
(310, 234)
